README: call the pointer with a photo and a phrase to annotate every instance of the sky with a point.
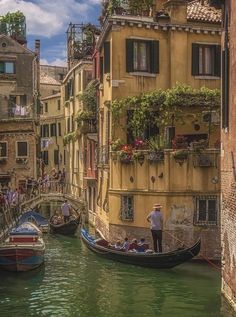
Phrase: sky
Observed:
(48, 21)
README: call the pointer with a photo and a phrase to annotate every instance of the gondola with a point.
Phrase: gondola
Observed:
(68, 228)
(152, 260)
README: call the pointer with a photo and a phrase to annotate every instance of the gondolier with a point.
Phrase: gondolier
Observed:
(156, 220)
(65, 209)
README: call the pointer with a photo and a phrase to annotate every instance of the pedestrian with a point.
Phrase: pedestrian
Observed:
(156, 220)
(65, 209)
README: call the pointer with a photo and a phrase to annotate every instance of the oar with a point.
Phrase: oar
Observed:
(204, 258)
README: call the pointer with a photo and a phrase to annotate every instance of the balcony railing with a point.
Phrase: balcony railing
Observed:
(16, 112)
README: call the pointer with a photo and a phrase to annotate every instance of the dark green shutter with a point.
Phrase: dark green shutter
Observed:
(154, 57)
(107, 58)
(217, 66)
(195, 59)
(56, 157)
(129, 56)
(101, 69)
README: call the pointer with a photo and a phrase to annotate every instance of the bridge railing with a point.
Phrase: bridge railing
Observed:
(11, 210)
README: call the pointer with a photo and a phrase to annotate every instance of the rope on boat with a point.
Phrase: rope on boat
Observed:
(204, 258)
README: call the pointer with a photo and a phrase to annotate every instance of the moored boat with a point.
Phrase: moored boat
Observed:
(36, 218)
(65, 228)
(152, 260)
(23, 250)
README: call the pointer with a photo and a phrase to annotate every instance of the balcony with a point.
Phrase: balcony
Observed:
(15, 112)
(177, 171)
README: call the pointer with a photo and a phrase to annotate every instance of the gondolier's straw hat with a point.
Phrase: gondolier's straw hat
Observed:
(158, 206)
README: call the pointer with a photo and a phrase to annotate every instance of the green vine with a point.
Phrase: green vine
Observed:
(164, 107)
(89, 96)
(83, 115)
(70, 137)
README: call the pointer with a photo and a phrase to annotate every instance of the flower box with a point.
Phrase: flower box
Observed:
(156, 156)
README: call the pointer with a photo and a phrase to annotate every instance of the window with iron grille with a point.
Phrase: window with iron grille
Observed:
(3, 149)
(21, 149)
(206, 210)
(127, 208)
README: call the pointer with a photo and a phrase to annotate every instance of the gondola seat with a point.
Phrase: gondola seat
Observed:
(102, 242)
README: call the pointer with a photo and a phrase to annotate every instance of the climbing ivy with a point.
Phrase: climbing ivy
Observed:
(164, 107)
(89, 96)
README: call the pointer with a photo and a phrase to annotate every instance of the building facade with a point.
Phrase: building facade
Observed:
(140, 54)
(50, 79)
(52, 131)
(18, 112)
(228, 219)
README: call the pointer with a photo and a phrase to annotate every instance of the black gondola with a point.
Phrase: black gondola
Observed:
(68, 228)
(153, 260)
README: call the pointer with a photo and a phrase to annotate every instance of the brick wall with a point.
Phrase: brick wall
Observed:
(228, 174)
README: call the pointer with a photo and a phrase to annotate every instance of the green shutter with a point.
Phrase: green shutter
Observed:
(195, 59)
(154, 57)
(107, 58)
(217, 66)
(101, 69)
(129, 56)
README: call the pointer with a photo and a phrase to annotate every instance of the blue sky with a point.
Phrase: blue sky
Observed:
(48, 21)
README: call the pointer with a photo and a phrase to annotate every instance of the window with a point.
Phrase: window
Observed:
(53, 129)
(58, 104)
(7, 67)
(45, 131)
(206, 208)
(68, 125)
(169, 136)
(45, 157)
(46, 107)
(56, 157)
(22, 149)
(142, 56)
(149, 131)
(127, 208)
(59, 128)
(206, 60)
(107, 57)
(3, 149)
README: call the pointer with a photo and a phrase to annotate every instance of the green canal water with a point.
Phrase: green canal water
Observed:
(76, 283)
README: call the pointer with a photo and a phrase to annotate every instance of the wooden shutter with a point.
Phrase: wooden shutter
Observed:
(154, 57)
(129, 56)
(101, 69)
(225, 88)
(107, 58)
(56, 157)
(217, 66)
(195, 59)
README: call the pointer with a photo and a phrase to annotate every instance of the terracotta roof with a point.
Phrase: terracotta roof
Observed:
(200, 10)
(46, 79)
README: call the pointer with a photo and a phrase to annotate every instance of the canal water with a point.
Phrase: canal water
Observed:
(77, 283)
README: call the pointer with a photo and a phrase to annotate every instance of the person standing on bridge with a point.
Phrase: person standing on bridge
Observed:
(65, 209)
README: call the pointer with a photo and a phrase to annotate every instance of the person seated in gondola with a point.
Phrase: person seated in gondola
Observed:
(133, 245)
(118, 245)
(126, 244)
(142, 245)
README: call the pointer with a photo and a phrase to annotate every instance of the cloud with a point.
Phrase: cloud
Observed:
(56, 62)
(49, 18)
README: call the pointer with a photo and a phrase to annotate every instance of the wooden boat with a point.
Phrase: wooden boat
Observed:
(36, 218)
(68, 228)
(152, 260)
(23, 250)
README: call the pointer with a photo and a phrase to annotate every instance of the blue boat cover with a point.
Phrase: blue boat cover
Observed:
(35, 216)
(26, 228)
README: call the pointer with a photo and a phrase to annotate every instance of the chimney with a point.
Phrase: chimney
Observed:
(177, 10)
(37, 48)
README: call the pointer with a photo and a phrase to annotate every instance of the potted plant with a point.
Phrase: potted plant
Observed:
(180, 156)
(199, 146)
(139, 156)
(180, 142)
(126, 154)
(156, 150)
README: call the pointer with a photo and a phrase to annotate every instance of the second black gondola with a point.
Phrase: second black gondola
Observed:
(68, 228)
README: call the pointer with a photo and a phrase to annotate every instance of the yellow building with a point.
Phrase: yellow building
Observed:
(81, 135)
(173, 42)
(52, 130)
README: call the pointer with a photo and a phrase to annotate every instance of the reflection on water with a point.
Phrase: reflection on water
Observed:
(76, 283)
